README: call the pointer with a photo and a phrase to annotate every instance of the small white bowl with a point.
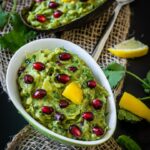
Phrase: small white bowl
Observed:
(51, 43)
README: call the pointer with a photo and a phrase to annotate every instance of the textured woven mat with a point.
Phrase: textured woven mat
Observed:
(30, 139)
(86, 37)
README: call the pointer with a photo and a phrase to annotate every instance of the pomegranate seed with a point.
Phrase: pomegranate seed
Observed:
(57, 14)
(75, 130)
(64, 56)
(97, 104)
(28, 79)
(21, 70)
(91, 84)
(63, 103)
(39, 94)
(47, 110)
(39, 66)
(59, 116)
(53, 5)
(41, 18)
(72, 68)
(88, 116)
(63, 78)
(98, 131)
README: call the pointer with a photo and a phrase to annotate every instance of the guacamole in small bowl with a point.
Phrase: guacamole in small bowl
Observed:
(51, 14)
(58, 90)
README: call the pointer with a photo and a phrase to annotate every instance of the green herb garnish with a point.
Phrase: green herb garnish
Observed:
(3, 18)
(128, 116)
(18, 36)
(114, 73)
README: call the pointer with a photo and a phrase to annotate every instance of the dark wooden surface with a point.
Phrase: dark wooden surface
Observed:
(11, 122)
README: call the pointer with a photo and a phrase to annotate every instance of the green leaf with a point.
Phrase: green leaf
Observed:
(147, 85)
(115, 67)
(18, 36)
(128, 143)
(114, 73)
(128, 116)
(17, 23)
(148, 77)
(3, 18)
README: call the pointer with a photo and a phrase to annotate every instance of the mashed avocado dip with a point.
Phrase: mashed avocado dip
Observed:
(59, 91)
(50, 14)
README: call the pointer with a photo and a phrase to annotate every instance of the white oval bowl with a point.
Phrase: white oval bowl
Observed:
(52, 43)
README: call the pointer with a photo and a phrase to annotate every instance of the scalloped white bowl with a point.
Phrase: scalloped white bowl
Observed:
(52, 43)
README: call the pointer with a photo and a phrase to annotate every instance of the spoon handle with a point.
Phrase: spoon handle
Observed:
(99, 47)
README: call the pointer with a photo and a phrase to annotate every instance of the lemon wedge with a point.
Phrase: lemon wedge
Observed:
(129, 49)
(73, 92)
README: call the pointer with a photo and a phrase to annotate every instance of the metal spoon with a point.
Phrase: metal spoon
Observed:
(99, 47)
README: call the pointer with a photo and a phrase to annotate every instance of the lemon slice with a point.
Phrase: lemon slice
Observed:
(129, 49)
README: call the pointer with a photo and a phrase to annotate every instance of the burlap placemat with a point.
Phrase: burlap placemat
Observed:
(86, 37)
(30, 139)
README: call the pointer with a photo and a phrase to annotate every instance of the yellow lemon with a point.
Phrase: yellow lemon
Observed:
(129, 49)
(134, 105)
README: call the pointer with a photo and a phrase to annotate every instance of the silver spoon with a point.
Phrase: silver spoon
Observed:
(99, 47)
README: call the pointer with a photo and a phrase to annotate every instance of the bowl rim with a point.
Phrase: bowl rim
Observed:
(42, 128)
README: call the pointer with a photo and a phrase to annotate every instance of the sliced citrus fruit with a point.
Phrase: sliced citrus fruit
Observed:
(129, 49)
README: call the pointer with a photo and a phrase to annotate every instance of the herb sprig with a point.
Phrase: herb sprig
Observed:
(19, 35)
(115, 73)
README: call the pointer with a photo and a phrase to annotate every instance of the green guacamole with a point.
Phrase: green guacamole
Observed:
(46, 14)
(61, 117)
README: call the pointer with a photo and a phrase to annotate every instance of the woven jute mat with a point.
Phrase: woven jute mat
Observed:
(86, 37)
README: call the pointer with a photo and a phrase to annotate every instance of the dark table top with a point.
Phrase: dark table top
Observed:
(11, 122)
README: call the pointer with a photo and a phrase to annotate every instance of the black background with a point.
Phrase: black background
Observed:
(11, 122)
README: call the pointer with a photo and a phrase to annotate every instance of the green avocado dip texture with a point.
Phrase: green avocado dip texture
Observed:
(50, 14)
(58, 90)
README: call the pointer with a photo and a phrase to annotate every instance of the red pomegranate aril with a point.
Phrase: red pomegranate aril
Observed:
(73, 69)
(41, 18)
(59, 116)
(57, 14)
(47, 109)
(64, 56)
(39, 94)
(88, 116)
(63, 78)
(91, 84)
(53, 5)
(38, 66)
(97, 104)
(75, 131)
(28, 79)
(98, 131)
(63, 103)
